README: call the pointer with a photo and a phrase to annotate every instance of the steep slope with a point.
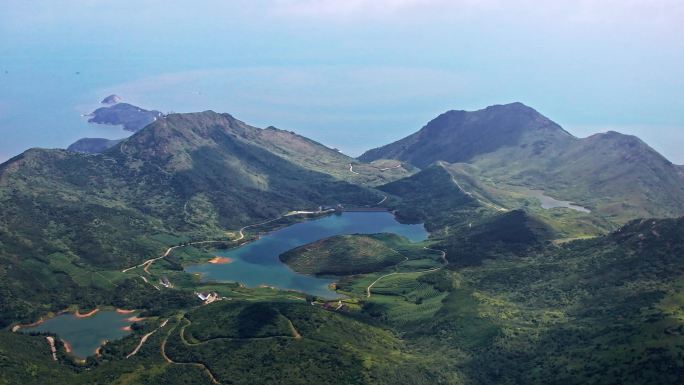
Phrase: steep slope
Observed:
(603, 311)
(514, 233)
(512, 146)
(460, 136)
(314, 156)
(186, 176)
(607, 310)
(618, 176)
(432, 196)
(184, 172)
(621, 174)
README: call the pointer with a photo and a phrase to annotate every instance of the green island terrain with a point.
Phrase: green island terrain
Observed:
(347, 254)
(509, 288)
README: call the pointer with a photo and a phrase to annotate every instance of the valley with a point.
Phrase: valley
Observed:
(259, 256)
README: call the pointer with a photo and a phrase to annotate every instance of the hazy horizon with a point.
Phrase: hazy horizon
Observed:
(353, 75)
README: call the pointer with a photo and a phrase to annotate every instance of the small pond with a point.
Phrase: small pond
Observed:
(85, 334)
(548, 203)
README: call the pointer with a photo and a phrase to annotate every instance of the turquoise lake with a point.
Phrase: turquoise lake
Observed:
(85, 335)
(257, 263)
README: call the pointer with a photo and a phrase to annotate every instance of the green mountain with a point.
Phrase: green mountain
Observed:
(513, 148)
(503, 291)
(461, 136)
(184, 177)
(184, 173)
(607, 310)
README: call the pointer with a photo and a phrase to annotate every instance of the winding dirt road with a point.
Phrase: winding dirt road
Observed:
(144, 338)
(446, 262)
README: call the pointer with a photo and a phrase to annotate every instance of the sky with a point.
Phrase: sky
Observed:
(352, 74)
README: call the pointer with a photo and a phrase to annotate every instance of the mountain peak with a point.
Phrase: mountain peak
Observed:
(514, 106)
(459, 136)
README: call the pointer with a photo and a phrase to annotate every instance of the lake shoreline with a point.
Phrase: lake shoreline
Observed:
(105, 328)
(256, 263)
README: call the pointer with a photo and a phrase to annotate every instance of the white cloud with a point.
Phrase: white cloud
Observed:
(655, 13)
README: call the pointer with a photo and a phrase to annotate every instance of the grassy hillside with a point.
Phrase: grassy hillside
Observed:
(514, 233)
(460, 136)
(275, 343)
(184, 177)
(513, 147)
(183, 174)
(617, 176)
(604, 311)
(347, 254)
(489, 298)
(432, 196)
(317, 157)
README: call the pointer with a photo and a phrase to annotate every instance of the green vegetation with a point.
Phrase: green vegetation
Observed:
(432, 196)
(272, 343)
(513, 233)
(500, 293)
(347, 254)
(606, 310)
(185, 177)
(617, 176)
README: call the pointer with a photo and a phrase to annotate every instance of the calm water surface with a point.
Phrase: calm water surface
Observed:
(257, 263)
(551, 203)
(85, 335)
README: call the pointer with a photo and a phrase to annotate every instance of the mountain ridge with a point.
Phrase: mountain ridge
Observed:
(513, 145)
(459, 136)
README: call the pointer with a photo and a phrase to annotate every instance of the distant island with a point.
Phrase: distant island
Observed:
(131, 117)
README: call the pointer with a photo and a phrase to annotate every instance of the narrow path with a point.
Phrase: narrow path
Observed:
(490, 205)
(351, 169)
(140, 344)
(181, 334)
(390, 168)
(144, 338)
(196, 364)
(295, 333)
(383, 199)
(446, 262)
(242, 235)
